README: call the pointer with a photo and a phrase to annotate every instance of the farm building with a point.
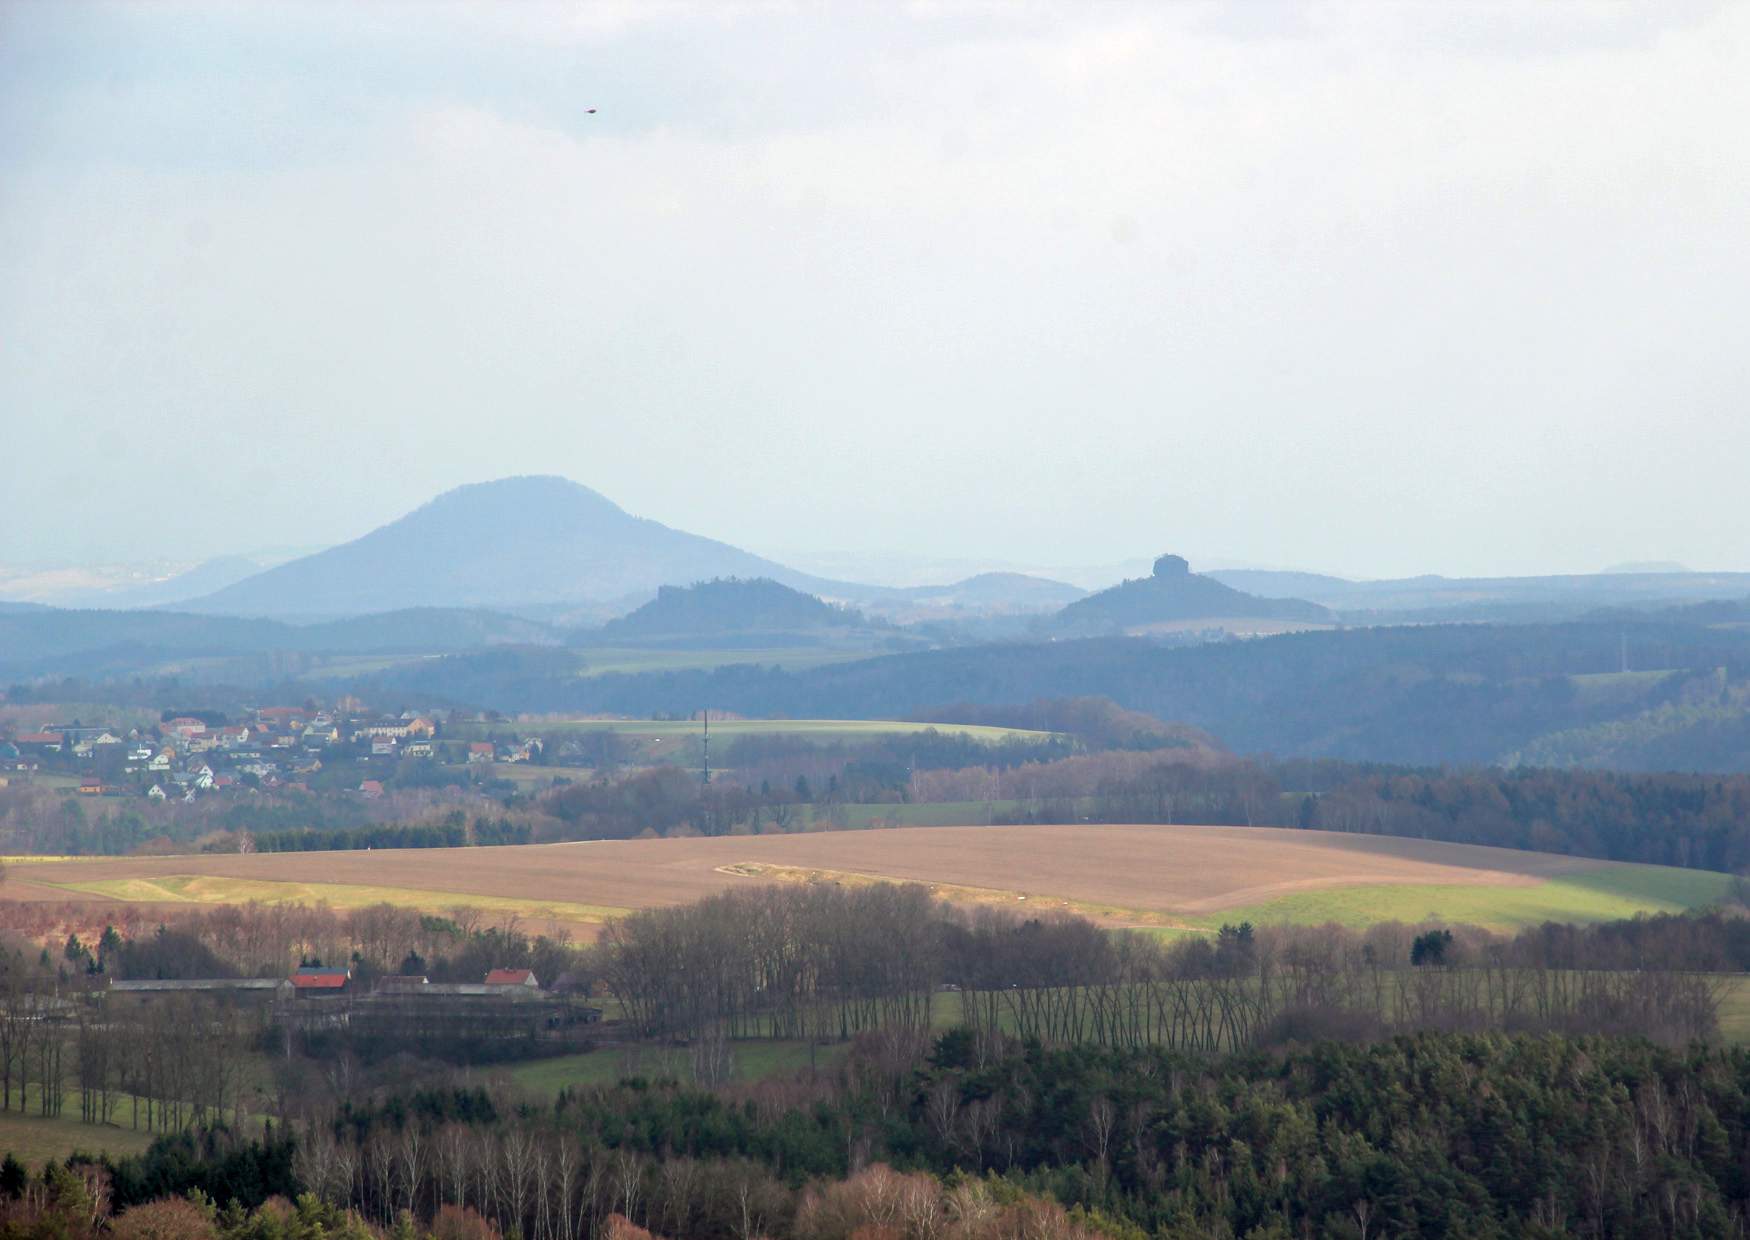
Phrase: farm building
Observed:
(316, 982)
(513, 977)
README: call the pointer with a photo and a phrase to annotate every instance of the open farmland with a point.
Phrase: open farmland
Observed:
(1169, 877)
(729, 729)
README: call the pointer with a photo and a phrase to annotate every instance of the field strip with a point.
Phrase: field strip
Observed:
(213, 889)
(956, 893)
(1603, 894)
(1158, 877)
(1562, 898)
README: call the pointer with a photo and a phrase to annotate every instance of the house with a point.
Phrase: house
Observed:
(84, 746)
(156, 792)
(512, 977)
(315, 982)
(383, 746)
(91, 788)
(480, 751)
(46, 742)
(417, 749)
(200, 775)
(371, 789)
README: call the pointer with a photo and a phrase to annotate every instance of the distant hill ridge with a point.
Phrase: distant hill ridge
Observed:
(1174, 592)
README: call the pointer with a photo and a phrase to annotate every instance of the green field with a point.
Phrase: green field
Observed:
(34, 1140)
(752, 1060)
(1599, 688)
(1597, 895)
(810, 729)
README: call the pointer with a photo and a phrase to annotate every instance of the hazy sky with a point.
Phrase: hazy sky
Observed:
(1374, 289)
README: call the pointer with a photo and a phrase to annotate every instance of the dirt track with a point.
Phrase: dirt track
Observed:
(1158, 869)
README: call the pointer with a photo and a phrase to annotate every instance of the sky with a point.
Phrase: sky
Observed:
(1379, 290)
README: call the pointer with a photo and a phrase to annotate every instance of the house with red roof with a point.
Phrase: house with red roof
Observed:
(315, 981)
(513, 977)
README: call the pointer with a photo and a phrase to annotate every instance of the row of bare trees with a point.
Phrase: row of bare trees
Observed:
(536, 1179)
(792, 962)
(831, 961)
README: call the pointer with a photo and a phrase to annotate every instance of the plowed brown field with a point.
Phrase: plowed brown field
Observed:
(1162, 875)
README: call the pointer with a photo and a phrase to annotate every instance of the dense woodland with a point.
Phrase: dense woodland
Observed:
(1428, 1135)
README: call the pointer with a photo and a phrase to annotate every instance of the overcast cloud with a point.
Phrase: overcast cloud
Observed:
(1381, 290)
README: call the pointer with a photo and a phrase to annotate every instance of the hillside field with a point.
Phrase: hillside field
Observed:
(730, 729)
(1181, 878)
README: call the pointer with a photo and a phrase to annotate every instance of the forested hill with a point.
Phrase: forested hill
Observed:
(726, 605)
(1460, 694)
(1174, 593)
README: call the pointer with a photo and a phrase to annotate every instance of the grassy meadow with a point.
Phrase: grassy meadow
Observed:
(34, 1140)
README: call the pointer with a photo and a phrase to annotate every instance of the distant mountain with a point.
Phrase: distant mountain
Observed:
(515, 542)
(1173, 593)
(727, 605)
(985, 593)
(1514, 600)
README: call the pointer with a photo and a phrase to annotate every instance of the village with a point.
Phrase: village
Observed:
(186, 756)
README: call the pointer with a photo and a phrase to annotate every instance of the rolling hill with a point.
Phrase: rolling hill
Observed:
(1187, 877)
(1415, 694)
(1173, 594)
(724, 606)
